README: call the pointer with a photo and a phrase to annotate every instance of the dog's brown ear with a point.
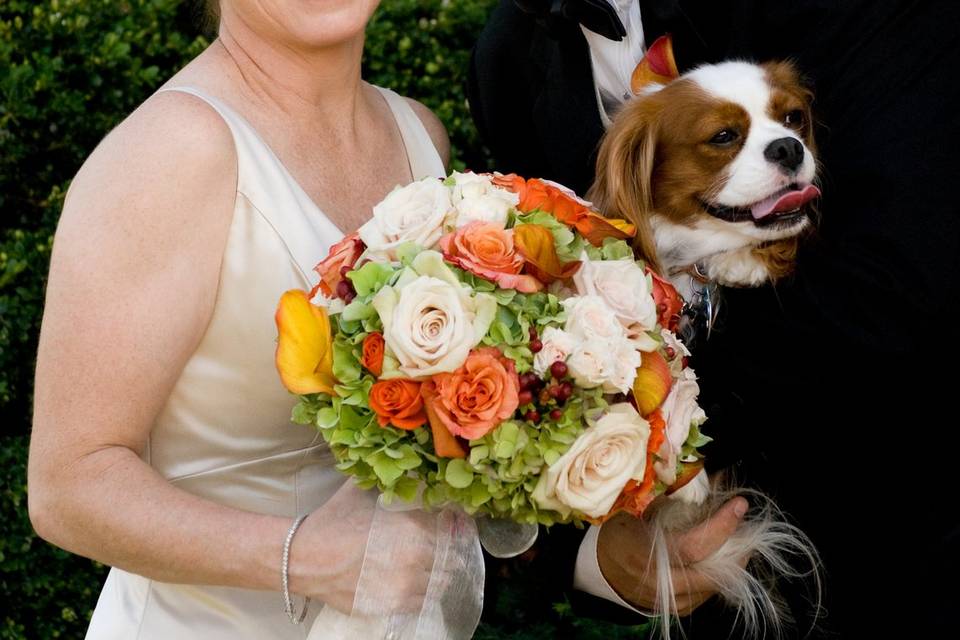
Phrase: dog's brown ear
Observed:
(625, 163)
(780, 257)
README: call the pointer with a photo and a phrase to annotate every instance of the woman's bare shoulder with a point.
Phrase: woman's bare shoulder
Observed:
(434, 127)
(173, 150)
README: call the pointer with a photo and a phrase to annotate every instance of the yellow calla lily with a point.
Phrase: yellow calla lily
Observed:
(305, 345)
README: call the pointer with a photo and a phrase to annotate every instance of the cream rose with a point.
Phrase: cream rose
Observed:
(414, 213)
(590, 317)
(611, 364)
(623, 370)
(625, 287)
(476, 198)
(591, 475)
(430, 320)
(680, 409)
(590, 364)
(680, 350)
(557, 345)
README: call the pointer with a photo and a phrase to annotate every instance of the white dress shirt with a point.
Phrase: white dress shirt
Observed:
(613, 62)
(587, 576)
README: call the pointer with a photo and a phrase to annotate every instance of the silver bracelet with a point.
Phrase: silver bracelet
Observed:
(285, 575)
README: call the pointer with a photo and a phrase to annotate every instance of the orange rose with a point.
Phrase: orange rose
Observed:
(543, 195)
(566, 207)
(487, 250)
(474, 399)
(343, 254)
(669, 303)
(372, 359)
(398, 402)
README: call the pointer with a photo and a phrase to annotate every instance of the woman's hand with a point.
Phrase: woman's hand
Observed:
(624, 553)
(330, 551)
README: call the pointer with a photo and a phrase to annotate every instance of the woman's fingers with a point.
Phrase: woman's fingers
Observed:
(705, 539)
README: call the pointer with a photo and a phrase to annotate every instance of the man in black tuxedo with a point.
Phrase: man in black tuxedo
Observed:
(834, 391)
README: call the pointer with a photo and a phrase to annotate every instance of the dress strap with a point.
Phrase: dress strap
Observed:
(421, 153)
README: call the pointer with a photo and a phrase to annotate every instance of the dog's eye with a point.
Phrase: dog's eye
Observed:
(724, 137)
(794, 119)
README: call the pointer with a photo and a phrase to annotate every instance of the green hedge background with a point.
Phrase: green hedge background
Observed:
(70, 70)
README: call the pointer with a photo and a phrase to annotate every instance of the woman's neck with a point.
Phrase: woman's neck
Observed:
(321, 84)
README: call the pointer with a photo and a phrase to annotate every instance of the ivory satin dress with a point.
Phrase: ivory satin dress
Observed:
(225, 432)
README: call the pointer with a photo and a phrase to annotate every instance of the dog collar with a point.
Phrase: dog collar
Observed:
(695, 271)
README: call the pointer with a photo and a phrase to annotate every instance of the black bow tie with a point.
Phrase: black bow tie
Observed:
(596, 15)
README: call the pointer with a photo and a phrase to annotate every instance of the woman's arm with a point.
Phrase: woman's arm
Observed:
(133, 280)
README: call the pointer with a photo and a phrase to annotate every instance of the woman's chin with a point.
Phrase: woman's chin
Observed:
(325, 23)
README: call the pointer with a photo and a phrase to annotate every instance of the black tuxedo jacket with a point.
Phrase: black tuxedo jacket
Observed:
(836, 391)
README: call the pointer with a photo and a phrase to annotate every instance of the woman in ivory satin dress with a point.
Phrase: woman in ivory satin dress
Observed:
(162, 443)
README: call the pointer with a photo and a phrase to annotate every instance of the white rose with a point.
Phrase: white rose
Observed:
(590, 364)
(680, 350)
(483, 208)
(557, 345)
(626, 289)
(430, 320)
(590, 476)
(611, 364)
(476, 198)
(414, 213)
(623, 369)
(680, 409)
(590, 317)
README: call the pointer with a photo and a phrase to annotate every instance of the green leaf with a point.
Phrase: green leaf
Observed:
(387, 470)
(695, 438)
(369, 278)
(406, 488)
(407, 251)
(346, 365)
(478, 454)
(458, 474)
(358, 310)
(479, 494)
(303, 413)
(327, 418)
(614, 249)
(408, 458)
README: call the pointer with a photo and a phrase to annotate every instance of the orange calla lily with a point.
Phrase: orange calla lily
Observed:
(536, 244)
(658, 66)
(652, 384)
(305, 346)
(595, 228)
(445, 444)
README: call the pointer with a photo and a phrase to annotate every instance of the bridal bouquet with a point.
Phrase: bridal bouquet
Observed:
(490, 341)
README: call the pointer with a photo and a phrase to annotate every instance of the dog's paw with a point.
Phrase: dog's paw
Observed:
(739, 268)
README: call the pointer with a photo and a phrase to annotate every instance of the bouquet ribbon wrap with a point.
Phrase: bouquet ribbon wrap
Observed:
(451, 607)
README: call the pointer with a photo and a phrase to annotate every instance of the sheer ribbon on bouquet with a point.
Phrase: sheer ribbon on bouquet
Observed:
(450, 608)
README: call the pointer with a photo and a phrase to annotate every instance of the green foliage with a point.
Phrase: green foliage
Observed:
(45, 592)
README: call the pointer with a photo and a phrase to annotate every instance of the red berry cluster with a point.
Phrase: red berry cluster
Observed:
(345, 290)
(544, 395)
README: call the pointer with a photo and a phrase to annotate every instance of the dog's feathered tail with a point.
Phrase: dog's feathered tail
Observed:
(777, 550)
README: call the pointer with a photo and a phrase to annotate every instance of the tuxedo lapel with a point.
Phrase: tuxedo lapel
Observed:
(565, 111)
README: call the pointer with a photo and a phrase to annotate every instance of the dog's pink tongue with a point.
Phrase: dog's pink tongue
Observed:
(782, 203)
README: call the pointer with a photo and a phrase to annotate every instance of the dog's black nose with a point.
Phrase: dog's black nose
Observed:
(786, 152)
